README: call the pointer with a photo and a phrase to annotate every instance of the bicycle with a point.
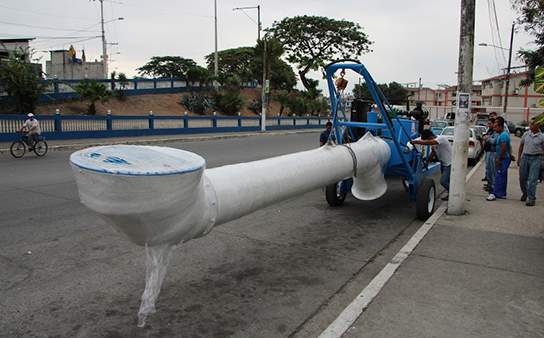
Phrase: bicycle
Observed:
(18, 148)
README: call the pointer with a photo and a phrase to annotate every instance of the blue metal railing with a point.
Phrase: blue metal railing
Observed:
(62, 127)
(61, 90)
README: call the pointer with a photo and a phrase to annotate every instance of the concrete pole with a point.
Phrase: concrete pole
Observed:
(508, 73)
(216, 61)
(259, 22)
(462, 117)
(263, 95)
(104, 47)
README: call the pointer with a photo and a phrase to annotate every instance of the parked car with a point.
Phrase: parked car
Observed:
(483, 131)
(516, 129)
(438, 125)
(481, 119)
(474, 142)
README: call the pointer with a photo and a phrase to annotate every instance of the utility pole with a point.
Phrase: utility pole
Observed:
(265, 88)
(104, 47)
(457, 191)
(508, 73)
(216, 61)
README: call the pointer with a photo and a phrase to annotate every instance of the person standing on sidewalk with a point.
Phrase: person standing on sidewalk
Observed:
(441, 149)
(531, 149)
(503, 161)
(490, 139)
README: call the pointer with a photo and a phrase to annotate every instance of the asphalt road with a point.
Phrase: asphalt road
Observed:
(65, 273)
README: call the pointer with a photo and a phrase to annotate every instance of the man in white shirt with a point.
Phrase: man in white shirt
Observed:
(442, 150)
(530, 152)
(32, 127)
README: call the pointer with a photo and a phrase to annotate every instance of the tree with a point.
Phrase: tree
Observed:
(394, 92)
(280, 74)
(283, 99)
(311, 40)
(21, 80)
(532, 20)
(123, 83)
(92, 91)
(197, 74)
(233, 61)
(166, 67)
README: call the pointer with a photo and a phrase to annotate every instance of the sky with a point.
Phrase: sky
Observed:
(413, 40)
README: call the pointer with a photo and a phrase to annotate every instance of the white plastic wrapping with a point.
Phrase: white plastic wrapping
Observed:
(244, 188)
(160, 195)
(153, 195)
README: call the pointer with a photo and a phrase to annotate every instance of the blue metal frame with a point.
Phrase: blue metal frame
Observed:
(407, 163)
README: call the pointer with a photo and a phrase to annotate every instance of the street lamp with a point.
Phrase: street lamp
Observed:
(488, 45)
(259, 25)
(507, 69)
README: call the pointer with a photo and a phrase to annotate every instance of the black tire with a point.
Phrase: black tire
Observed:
(519, 132)
(336, 193)
(40, 148)
(425, 199)
(17, 149)
(405, 184)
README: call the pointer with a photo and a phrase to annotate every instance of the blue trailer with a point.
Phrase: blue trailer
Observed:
(406, 160)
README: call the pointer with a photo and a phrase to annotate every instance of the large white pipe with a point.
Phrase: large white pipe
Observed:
(158, 195)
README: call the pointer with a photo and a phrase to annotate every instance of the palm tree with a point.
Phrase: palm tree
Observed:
(92, 91)
(283, 99)
(274, 50)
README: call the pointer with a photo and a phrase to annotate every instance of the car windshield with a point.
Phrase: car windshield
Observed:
(448, 131)
(439, 124)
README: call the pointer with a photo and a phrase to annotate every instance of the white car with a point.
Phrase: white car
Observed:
(474, 142)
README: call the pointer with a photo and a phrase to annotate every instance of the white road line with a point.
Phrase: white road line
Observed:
(354, 310)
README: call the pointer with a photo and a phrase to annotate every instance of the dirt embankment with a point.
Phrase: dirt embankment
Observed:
(137, 105)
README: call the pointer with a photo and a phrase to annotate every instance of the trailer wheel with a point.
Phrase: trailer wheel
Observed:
(405, 184)
(426, 194)
(336, 193)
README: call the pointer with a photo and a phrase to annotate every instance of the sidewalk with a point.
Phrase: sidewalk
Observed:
(476, 275)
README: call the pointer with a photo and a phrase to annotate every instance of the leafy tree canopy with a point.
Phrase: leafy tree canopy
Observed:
(532, 20)
(311, 40)
(394, 92)
(166, 67)
(21, 80)
(233, 61)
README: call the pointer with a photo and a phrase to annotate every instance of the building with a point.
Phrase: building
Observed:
(65, 65)
(493, 92)
(423, 94)
(9, 46)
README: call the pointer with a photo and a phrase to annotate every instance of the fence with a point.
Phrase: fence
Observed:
(60, 127)
(60, 90)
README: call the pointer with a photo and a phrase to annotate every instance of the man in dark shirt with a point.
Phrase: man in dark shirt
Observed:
(490, 156)
(324, 137)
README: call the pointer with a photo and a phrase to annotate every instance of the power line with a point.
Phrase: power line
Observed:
(162, 9)
(49, 14)
(43, 27)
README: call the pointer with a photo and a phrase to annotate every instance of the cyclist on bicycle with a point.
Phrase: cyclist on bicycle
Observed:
(32, 127)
